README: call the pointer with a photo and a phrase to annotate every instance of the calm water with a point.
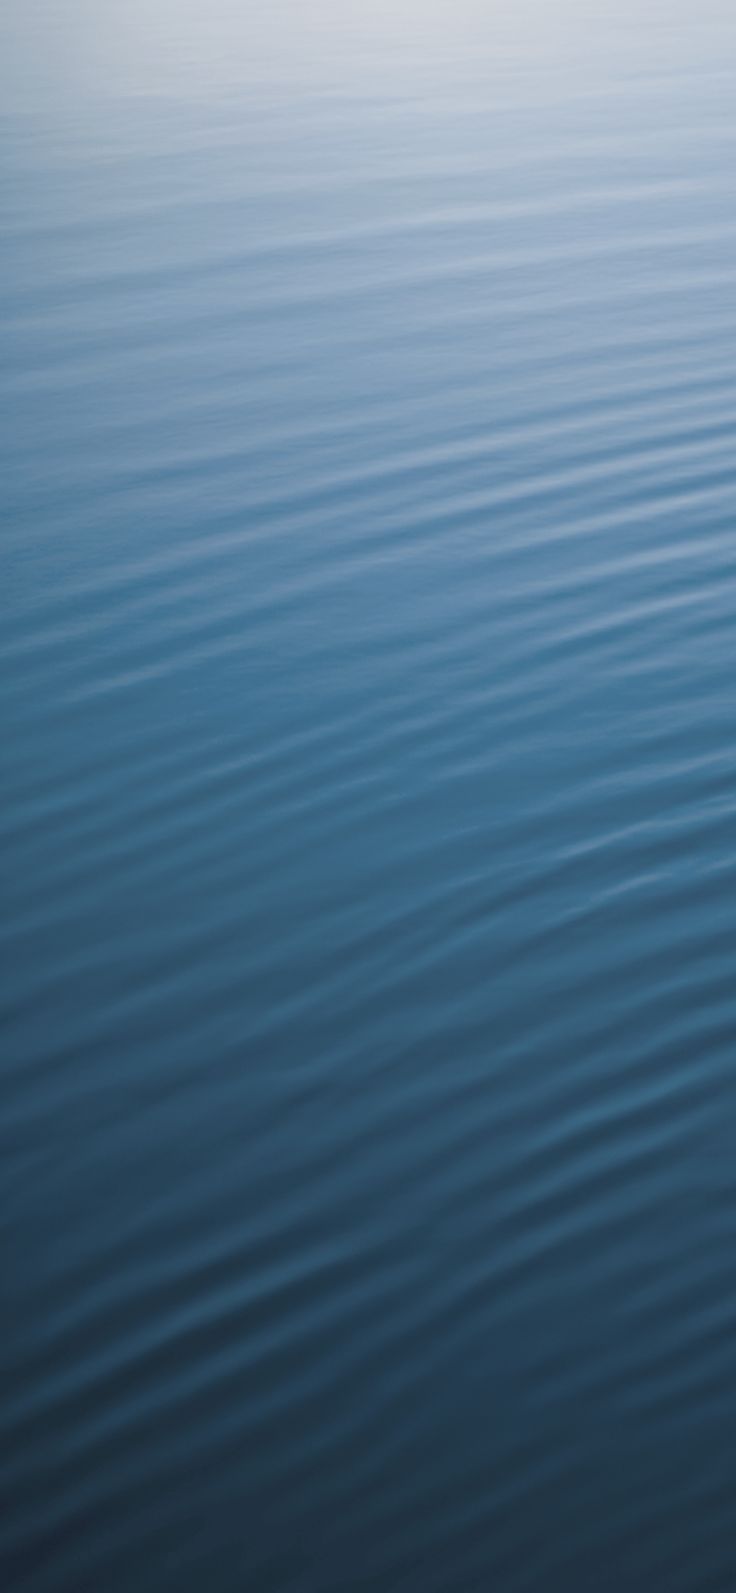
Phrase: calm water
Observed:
(369, 736)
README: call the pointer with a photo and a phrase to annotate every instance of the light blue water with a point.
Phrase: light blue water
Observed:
(369, 734)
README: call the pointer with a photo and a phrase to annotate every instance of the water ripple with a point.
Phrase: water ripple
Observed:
(370, 826)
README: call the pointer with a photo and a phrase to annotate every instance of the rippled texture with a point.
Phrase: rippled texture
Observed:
(369, 404)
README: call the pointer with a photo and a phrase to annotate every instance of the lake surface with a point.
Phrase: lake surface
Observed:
(369, 821)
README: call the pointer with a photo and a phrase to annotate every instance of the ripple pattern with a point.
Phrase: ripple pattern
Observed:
(370, 833)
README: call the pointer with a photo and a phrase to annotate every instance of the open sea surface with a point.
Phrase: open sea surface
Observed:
(368, 1077)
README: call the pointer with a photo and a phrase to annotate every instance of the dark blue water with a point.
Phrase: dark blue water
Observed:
(369, 822)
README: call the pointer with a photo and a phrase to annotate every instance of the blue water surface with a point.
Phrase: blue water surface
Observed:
(369, 734)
